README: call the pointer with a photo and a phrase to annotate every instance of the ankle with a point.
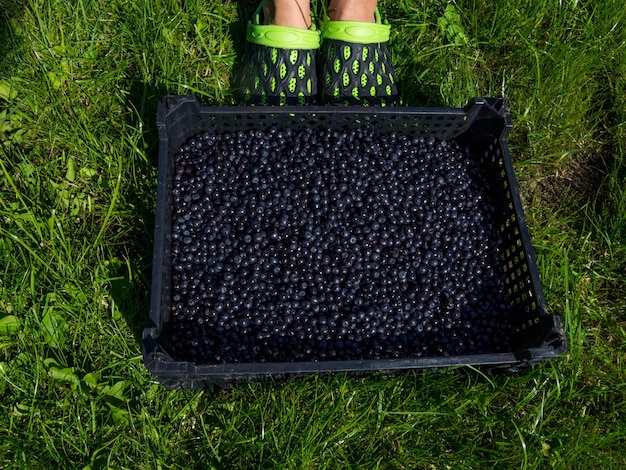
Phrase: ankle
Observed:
(292, 13)
(352, 10)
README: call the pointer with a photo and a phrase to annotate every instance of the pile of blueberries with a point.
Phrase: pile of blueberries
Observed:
(310, 245)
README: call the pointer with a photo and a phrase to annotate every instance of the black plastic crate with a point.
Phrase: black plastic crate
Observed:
(483, 125)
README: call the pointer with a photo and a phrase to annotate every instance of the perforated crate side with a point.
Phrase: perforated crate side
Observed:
(184, 117)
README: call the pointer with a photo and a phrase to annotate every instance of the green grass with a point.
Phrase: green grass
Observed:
(79, 83)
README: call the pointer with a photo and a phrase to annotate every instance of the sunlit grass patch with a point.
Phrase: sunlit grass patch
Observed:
(79, 83)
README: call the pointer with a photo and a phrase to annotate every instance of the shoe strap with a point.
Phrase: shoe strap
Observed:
(282, 37)
(358, 32)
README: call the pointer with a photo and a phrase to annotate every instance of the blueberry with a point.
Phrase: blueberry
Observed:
(298, 245)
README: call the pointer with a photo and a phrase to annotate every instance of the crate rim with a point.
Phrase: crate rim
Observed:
(163, 367)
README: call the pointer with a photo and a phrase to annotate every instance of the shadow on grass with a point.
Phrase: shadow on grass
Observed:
(9, 20)
(10, 34)
(130, 283)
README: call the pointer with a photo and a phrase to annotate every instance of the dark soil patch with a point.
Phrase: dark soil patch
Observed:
(578, 180)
